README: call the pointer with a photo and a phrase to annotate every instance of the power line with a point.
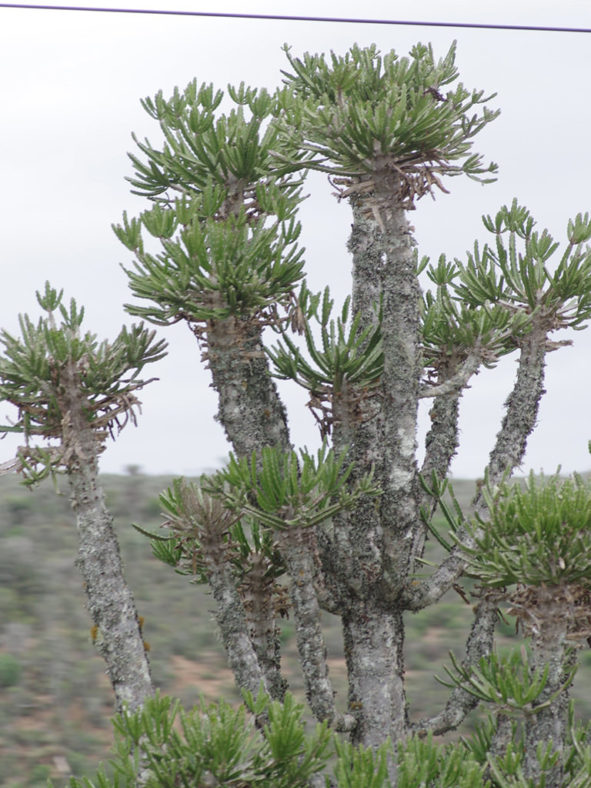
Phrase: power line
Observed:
(285, 18)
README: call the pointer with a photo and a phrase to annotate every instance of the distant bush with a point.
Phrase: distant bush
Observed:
(10, 670)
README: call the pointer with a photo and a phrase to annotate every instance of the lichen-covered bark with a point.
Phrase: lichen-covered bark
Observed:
(110, 601)
(521, 411)
(253, 417)
(381, 432)
(296, 546)
(440, 446)
(442, 439)
(250, 410)
(400, 390)
(373, 640)
(232, 622)
(521, 407)
(259, 603)
(548, 627)
(117, 635)
(374, 541)
(355, 556)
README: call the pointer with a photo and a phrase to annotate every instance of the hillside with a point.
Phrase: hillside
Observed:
(55, 701)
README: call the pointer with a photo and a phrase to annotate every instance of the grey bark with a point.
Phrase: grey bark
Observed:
(521, 411)
(250, 410)
(382, 434)
(548, 627)
(259, 603)
(441, 443)
(117, 635)
(400, 389)
(297, 545)
(521, 407)
(373, 639)
(253, 417)
(232, 621)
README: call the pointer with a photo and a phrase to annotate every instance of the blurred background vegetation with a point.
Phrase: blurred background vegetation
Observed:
(55, 700)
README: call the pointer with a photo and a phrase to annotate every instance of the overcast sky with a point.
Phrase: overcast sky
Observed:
(70, 88)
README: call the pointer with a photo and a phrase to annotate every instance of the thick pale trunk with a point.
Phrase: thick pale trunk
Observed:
(400, 394)
(117, 632)
(374, 640)
(376, 539)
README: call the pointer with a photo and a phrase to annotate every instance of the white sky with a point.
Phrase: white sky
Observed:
(70, 85)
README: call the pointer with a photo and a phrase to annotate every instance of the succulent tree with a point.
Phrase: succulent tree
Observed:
(347, 533)
(280, 531)
(71, 393)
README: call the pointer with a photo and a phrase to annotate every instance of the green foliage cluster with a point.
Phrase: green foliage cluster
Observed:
(361, 108)
(217, 744)
(224, 211)
(507, 769)
(38, 369)
(522, 277)
(537, 535)
(425, 762)
(241, 506)
(289, 491)
(506, 681)
(488, 304)
(10, 670)
(347, 358)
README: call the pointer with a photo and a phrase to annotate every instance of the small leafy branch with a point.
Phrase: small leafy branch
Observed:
(505, 682)
(50, 366)
(343, 371)
(71, 392)
(536, 535)
(224, 210)
(287, 491)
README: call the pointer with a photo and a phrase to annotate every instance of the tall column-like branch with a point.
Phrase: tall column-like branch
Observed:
(297, 546)
(110, 601)
(250, 410)
(381, 536)
(521, 411)
(440, 446)
(400, 393)
(356, 553)
(233, 626)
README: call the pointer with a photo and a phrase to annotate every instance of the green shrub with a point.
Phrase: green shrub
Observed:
(10, 670)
